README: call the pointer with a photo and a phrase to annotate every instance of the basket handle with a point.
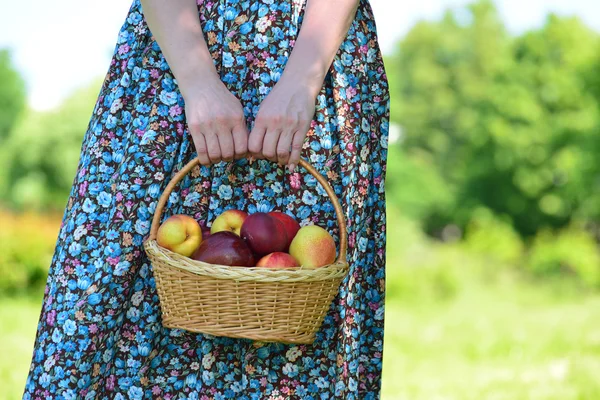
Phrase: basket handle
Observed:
(162, 201)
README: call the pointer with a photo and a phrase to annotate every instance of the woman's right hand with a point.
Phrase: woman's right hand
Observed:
(215, 119)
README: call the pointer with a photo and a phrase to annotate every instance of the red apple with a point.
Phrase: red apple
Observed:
(225, 248)
(230, 220)
(278, 260)
(290, 224)
(180, 233)
(205, 232)
(264, 234)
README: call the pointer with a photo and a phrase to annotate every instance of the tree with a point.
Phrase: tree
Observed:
(43, 152)
(12, 94)
(509, 124)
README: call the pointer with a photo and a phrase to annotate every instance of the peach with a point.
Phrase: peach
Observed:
(180, 233)
(230, 221)
(277, 260)
(313, 247)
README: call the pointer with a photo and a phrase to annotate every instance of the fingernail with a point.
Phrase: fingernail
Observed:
(292, 167)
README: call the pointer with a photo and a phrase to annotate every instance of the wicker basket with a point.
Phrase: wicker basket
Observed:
(271, 305)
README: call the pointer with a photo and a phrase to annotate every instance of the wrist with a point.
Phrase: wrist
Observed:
(194, 73)
(308, 72)
(196, 79)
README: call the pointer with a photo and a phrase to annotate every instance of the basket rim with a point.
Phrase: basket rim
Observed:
(341, 220)
(334, 271)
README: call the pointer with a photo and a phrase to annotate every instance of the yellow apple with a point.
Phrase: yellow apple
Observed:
(313, 247)
(230, 221)
(181, 234)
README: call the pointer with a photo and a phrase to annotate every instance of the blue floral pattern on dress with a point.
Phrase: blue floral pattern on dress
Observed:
(100, 334)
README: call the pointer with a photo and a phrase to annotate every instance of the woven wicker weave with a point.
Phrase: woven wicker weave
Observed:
(280, 305)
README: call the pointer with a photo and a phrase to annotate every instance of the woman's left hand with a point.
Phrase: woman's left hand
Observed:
(282, 122)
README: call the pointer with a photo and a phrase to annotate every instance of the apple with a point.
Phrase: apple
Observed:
(225, 248)
(264, 234)
(277, 260)
(205, 232)
(180, 233)
(229, 221)
(313, 247)
(290, 224)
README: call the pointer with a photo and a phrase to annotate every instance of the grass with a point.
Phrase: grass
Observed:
(18, 323)
(494, 345)
(484, 344)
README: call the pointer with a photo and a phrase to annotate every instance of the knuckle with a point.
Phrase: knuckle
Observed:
(297, 146)
(260, 120)
(269, 153)
(239, 118)
(195, 126)
(201, 149)
(276, 119)
(254, 147)
(219, 120)
(228, 153)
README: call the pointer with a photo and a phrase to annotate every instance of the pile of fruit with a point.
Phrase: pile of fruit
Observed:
(235, 238)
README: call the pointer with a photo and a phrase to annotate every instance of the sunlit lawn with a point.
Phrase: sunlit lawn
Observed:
(484, 345)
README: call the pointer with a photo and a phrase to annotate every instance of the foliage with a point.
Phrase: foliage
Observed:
(570, 252)
(26, 248)
(413, 186)
(494, 238)
(508, 124)
(12, 94)
(41, 154)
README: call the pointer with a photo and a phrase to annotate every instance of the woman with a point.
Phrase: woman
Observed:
(217, 80)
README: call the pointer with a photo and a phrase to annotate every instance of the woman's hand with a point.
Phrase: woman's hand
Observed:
(216, 121)
(282, 122)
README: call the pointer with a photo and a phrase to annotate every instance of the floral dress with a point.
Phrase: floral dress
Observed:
(100, 334)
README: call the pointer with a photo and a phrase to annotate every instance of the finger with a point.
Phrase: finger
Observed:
(283, 147)
(226, 144)
(269, 147)
(240, 140)
(297, 143)
(255, 140)
(201, 149)
(214, 150)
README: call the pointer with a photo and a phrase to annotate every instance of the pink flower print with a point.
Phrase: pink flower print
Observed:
(110, 383)
(51, 317)
(295, 180)
(83, 188)
(350, 92)
(174, 111)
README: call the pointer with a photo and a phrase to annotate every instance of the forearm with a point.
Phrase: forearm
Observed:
(176, 27)
(325, 25)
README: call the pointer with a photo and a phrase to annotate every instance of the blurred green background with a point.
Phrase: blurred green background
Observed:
(493, 275)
